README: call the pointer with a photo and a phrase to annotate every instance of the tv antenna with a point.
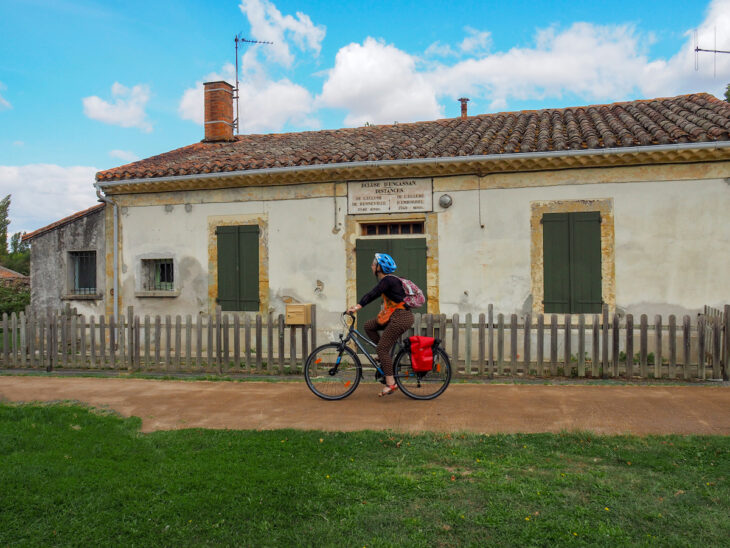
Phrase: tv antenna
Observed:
(241, 40)
(714, 51)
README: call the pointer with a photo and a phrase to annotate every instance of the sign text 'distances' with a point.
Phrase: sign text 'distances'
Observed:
(390, 196)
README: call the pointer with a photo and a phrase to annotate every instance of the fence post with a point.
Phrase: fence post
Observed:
(6, 341)
(643, 364)
(481, 343)
(513, 344)
(270, 343)
(237, 342)
(102, 341)
(527, 343)
(596, 347)
(567, 354)
(604, 341)
(147, 337)
(314, 329)
(629, 346)
(280, 333)
(701, 373)
(672, 346)
(130, 336)
(500, 343)
(657, 346)
(455, 341)
(553, 345)
(259, 342)
(490, 325)
(467, 344)
(716, 346)
(686, 344)
(218, 312)
(726, 343)
(247, 341)
(199, 341)
(137, 357)
(225, 333)
(168, 342)
(540, 344)
(581, 345)
(615, 350)
(188, 341)
(113, 341)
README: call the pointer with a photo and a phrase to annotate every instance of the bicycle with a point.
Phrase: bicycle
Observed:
(333, 370)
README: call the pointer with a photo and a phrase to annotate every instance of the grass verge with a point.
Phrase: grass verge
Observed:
(77, 476)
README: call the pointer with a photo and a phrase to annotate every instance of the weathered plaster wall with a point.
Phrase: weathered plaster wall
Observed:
(50, 268)
(668, 240)
(670, 245)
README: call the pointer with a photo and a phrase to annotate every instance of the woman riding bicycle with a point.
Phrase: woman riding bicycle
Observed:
(394, 318)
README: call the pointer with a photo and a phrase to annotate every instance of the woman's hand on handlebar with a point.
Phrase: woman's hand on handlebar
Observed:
(353, 309)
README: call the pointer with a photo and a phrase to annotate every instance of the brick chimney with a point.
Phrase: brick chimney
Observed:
(463, 101)
(218, 111)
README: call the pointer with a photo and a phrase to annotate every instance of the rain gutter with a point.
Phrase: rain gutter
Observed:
(423, 161)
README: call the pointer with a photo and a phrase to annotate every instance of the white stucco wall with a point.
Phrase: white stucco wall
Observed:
(671, 243)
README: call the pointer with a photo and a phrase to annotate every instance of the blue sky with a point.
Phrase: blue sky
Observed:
(89, 85)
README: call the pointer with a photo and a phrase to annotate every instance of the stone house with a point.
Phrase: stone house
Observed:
(554, 210)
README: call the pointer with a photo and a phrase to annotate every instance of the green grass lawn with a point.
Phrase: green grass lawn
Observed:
(74, 476)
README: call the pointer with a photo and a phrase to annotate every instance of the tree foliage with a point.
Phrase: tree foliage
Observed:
(727, 93)
(18, 256)
(13, 299)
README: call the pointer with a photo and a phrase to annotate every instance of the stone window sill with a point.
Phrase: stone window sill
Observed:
(167, 293)
(80, 297)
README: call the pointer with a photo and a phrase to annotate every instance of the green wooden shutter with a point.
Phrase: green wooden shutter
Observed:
(556, 262)
(586, 262)
(238, 267)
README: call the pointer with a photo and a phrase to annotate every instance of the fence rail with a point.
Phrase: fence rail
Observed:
(486, 344)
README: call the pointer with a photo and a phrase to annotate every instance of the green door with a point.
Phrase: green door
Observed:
(572, 262)
(238, 267)
(409, 255)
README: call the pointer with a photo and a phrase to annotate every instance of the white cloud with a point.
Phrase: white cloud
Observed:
(266, 105)
(18, 143)
(378, 83)
(4, 103)
(126, 109)
(268, 24)
(124, 155)
(44, 193)
(476, 41)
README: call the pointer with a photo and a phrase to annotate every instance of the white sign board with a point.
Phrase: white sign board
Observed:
(390, 196)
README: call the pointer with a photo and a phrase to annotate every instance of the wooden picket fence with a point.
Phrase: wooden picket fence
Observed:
(484, 345)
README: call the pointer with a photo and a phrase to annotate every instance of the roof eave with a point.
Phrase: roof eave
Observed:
(443, 166)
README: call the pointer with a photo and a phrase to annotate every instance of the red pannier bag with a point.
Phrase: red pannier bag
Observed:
(422, 353)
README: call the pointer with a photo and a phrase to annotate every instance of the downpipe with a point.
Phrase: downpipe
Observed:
(115, 275)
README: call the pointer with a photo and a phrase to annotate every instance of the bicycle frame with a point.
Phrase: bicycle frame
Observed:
(355, 336)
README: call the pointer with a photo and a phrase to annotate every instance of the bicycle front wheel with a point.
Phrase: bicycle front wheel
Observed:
(422, 385)
(332, 371)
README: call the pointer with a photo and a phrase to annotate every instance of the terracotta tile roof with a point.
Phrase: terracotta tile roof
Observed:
(64, 221)
(7, 274)
(683, 119)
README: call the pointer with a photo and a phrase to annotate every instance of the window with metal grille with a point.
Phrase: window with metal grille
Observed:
(158, 275)
(377, 229)
(83, 272)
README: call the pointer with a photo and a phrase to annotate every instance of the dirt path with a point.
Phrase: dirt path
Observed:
(485, 408)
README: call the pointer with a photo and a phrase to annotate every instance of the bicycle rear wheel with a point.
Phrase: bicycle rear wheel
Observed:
(332, 371)
(422, 385)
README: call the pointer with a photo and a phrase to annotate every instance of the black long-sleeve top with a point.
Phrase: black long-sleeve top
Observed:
(390, 285)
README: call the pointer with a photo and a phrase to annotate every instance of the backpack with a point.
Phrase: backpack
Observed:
(414, 296)
(422, 353)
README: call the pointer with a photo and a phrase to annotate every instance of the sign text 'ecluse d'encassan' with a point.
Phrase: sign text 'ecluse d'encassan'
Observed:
(390, 196)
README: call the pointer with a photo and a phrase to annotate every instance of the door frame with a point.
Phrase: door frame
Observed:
(353, 232)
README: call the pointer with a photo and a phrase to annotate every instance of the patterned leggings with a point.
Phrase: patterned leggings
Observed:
(400, 322)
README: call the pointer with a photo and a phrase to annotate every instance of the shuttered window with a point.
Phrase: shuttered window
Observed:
(238, 267)
(572, 262)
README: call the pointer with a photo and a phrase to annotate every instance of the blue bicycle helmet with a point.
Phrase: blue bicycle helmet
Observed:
(386, 262)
